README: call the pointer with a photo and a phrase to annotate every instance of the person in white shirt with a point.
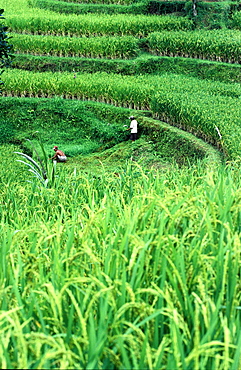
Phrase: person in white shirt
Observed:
(133, 128)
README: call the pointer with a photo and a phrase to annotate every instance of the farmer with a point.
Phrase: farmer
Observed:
(59, 155)
(133, 128)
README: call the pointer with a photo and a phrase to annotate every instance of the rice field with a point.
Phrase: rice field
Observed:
(126, 267)
(139, 270)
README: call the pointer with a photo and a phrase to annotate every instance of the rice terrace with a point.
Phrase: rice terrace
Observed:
(127, 255)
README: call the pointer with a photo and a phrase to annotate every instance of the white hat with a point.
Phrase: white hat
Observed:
(131, 117)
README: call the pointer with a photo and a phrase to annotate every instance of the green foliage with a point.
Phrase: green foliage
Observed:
(236, 20)
(203, 113)
(218, 103)
(158, 142)
(39, 168)
(203, 69)
(138, 269)
(115, 7)
(76, 8)
(20, 118)
(5, 47)
(165, 7)
(98, 25)
(102, 47)
(222, 45)
(73, 64)
(7, 129)
(213, 45)
(78, 2)
(126, 261)
(144, 64)
(94, 127)
(211, 15)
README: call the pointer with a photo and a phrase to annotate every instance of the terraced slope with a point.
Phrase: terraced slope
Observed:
(210, 109)
(137, 267)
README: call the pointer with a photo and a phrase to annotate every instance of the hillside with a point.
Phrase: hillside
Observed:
(45, 46)
(127, 256)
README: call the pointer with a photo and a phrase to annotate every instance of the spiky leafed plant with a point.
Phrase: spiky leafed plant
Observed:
(41, 169)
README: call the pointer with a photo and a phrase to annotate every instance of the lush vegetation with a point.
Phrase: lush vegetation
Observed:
(75, 8)
(131, 270)
(5, 47)
(95, 25)
(128, 255)
(174, 98)
(221, 45)
(213, 45)
(145, 64)
(105, 47)
(80, 128)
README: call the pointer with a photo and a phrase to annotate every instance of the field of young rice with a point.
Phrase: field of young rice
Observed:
(95, 25)
(135, 271)
(98, 47)
(222, 45)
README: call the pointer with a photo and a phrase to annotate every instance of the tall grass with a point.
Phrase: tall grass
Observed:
(139, 270)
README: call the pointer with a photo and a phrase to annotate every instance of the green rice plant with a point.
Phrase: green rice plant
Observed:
(221, 45)
(63, 7)
(95, 25)
(200, 108)
(136, 271)
(94, 47)
(202, 69)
